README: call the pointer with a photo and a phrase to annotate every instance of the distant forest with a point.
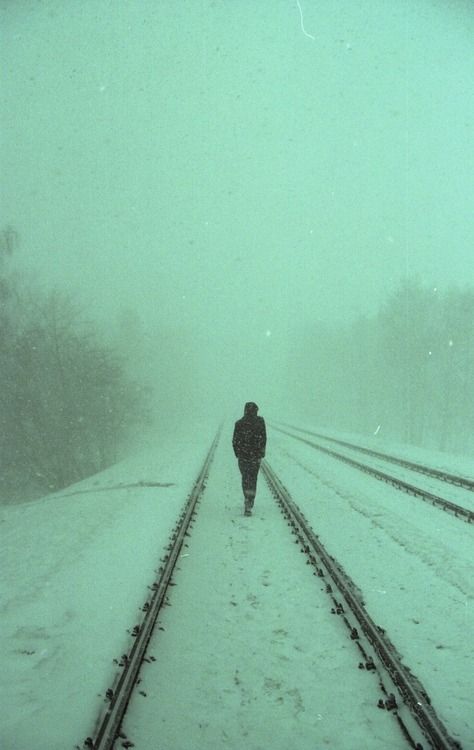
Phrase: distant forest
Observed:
(68, 406)
(66, 403)
(407, 371)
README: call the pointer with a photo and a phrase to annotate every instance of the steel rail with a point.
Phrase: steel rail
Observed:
(118, 696)
(443, 476)
(457, 510)
(415, 715)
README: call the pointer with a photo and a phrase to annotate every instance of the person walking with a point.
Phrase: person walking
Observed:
(249, 441)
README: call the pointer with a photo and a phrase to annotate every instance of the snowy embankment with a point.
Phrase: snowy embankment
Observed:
(74, 568)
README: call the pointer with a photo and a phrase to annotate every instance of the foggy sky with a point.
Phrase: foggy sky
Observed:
(212, 167)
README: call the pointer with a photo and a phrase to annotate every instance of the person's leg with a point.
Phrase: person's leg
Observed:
(252, 481)
(246, 471)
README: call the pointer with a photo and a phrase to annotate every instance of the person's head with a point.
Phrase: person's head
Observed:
(250, 409)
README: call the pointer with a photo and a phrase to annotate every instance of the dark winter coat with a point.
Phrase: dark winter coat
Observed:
(250, 437)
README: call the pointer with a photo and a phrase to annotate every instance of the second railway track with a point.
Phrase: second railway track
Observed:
(424, 494)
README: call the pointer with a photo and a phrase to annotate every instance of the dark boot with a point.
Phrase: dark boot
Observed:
(249, 499)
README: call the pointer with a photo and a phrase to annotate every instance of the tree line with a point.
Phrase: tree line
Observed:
(406, 372)
(66, 402)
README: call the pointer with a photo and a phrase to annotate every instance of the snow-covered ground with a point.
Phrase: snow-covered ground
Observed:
(413, 562)
(462, 465)
(73, 574)
(461, 496)
(251, 655)
(260, 660)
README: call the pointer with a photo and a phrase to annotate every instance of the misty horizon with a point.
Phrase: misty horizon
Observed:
(231, 177)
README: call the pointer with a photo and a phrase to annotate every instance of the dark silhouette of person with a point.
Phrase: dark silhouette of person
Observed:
(249, 441)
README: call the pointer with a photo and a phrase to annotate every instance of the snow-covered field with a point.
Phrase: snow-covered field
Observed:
(74, 570)
(259, 661)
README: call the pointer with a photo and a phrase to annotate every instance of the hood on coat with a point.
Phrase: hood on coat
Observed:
(250, 409)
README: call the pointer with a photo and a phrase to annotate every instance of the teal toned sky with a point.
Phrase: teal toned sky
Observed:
(236, 170)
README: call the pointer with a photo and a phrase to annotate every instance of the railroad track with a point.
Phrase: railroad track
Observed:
(443, 476)
(118, 695)
(458, 511)
(401, 692)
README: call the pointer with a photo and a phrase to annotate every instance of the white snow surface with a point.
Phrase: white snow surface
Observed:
(250, 653)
